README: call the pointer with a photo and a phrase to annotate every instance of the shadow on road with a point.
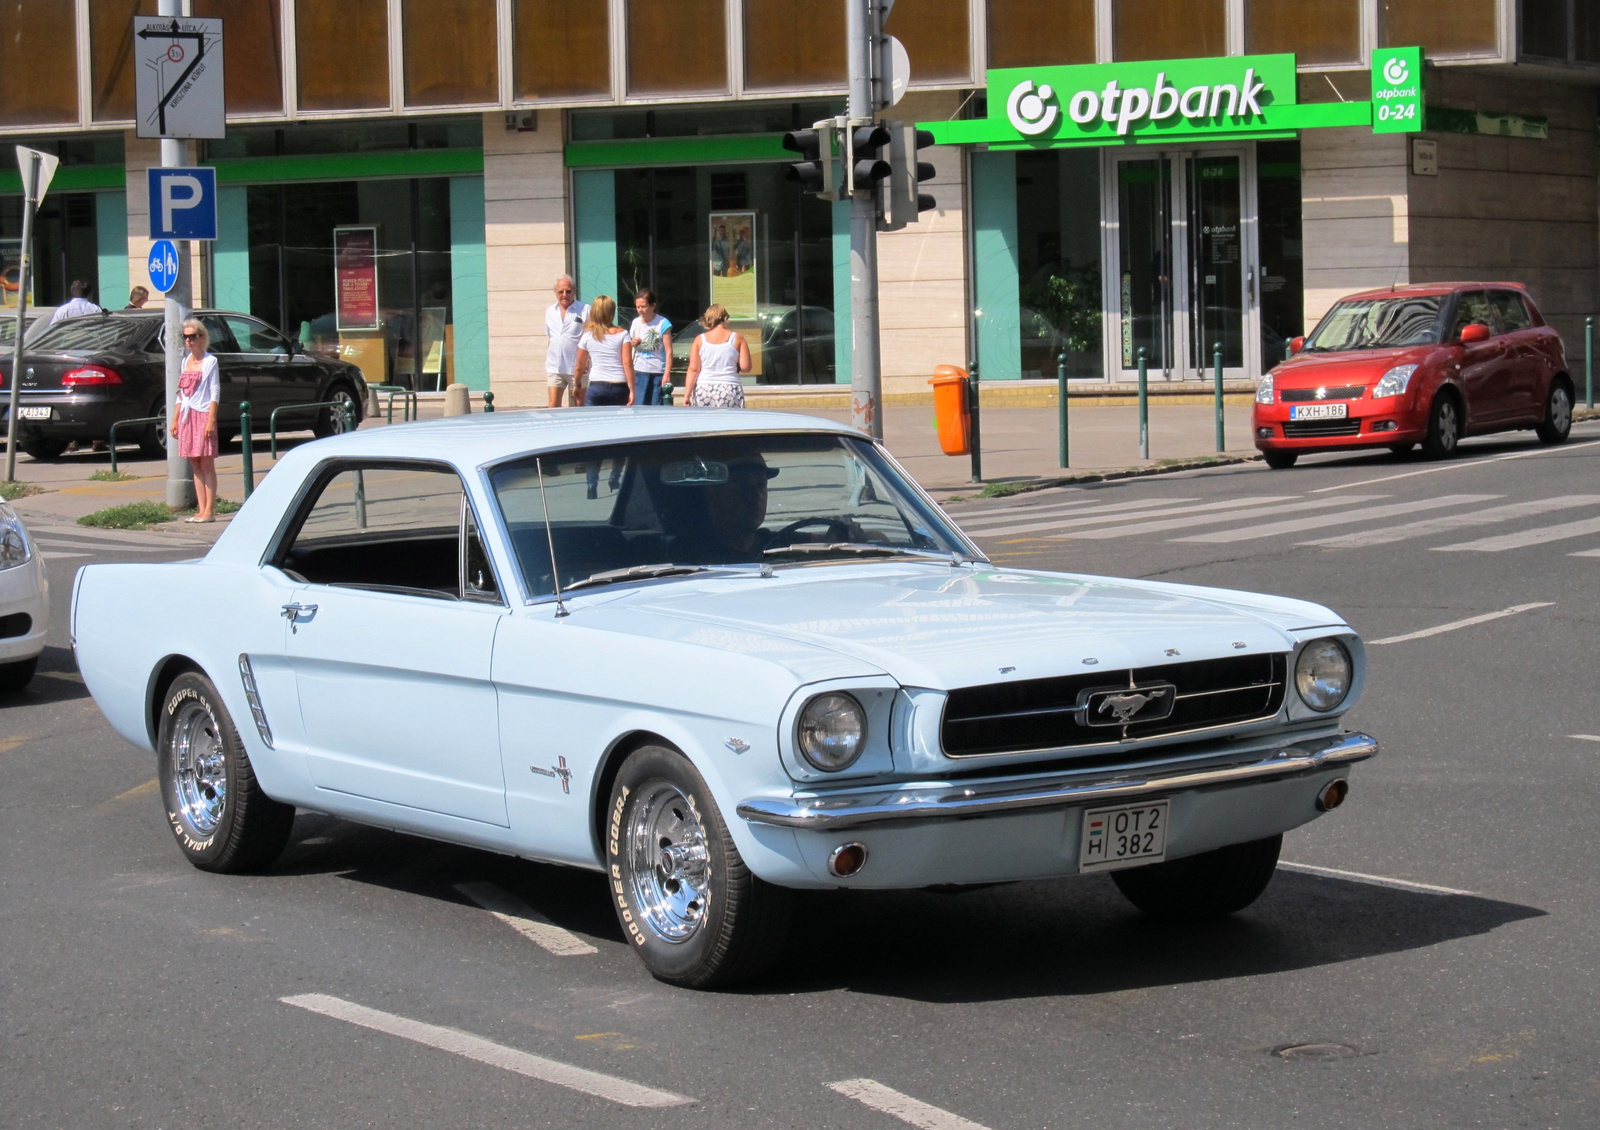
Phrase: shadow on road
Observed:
(57, 680)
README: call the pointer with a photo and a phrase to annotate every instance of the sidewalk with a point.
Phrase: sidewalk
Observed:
(1019, 444)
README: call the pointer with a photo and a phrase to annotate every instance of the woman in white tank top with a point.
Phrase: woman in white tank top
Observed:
(716, 359)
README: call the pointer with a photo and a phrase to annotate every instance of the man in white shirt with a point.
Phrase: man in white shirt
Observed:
(563, 325)
(76, 306)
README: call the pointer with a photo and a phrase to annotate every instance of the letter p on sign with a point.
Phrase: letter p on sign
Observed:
(183, 203)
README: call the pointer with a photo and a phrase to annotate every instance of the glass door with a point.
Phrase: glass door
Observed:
(1180, 235)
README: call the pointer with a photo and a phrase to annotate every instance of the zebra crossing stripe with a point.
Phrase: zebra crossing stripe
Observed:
(526, 921)
(1525, 538)
(1586, 553)
(1243, 510)
(1133, 509)
(870, 1092)
(1342, 518)
(1448, 522)
(1140, 515)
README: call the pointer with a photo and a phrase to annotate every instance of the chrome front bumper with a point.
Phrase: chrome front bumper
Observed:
(942, 800)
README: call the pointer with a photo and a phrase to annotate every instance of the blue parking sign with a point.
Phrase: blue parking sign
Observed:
(183, 203)
(163, 265)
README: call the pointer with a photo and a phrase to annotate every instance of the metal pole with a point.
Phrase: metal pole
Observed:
(1144, 406)
(1589, 364)
(975, 436)
(247, 448)
(30, 204)
(1216, 370)
(1061, 392)
(179, 302)
(866, 382)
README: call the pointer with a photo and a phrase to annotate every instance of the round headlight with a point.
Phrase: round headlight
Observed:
(1322, 674)
(832, 731)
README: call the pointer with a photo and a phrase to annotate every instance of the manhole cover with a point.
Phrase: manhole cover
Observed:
(1315, 1051)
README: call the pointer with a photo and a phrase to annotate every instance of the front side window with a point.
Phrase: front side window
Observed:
(253, 337)
(645, 509)
(1378, 323)
(392, 528)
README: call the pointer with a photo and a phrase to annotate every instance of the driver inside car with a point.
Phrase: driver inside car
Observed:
(737, 508)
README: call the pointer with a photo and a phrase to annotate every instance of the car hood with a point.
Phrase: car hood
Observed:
(1357, 367)
(941, 627)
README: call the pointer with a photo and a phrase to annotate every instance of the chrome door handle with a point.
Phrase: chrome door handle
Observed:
(293, 612)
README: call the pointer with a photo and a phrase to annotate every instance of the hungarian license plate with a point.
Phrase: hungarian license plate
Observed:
(1124, 836)
(33, 413)
(1318, 411)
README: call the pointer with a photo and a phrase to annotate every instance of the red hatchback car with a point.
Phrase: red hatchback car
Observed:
(1424, 364)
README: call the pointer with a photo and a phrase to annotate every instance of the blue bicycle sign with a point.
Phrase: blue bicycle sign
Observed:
(163, 265)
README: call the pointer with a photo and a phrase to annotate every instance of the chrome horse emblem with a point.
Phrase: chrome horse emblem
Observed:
(1123, 706)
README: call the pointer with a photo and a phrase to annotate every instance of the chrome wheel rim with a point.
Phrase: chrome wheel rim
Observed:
(200, 766)
(1447, 426)
(342, 401)
(669, 863)
(1560, 411)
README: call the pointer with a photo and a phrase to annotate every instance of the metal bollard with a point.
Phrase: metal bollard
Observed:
(1061, 391)
(976, 437)
(247, 448)
(1588, 361)
(1216, 369)
(1144, 405)
(349, 415)
(488, 402)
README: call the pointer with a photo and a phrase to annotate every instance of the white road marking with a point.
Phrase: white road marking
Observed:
(1525, 538)
(609, 1087)
(1585, 737)
(1086, 506)
(870, 1092)
(1467, 623)
(525, 920)
(1296, 507)
(1247, 505)
(1586, 553)
(1461, 465)
(56, 555)
(1342, 518)
(1117, 513)
(1372, 880)
(1440, 525)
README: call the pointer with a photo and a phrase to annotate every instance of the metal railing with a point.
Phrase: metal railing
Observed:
(272, 420)
(111, 440)
(409, 409)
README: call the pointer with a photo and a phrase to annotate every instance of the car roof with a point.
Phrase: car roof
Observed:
(1423, 289)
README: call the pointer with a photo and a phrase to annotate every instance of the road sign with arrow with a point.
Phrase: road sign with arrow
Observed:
(178, 76)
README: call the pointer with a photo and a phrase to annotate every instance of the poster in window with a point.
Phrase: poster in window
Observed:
(355, 270)
(733, 263)
(11, 273)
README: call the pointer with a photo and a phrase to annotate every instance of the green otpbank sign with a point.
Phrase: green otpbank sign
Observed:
(1177, 100)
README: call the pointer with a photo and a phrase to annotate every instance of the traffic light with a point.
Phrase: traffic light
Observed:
(819, 172)
(867, 166)
(907, 174)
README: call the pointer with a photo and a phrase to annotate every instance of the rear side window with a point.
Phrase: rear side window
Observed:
(1472, 309)
(1512, 309)
(405, 529)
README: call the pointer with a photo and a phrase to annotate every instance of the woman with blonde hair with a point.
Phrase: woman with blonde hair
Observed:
(716, 359)
(194, 417)
(605, 356)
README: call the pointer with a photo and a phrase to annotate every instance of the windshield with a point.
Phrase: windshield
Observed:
(745, 500)
(95, 333)
(1378, 323)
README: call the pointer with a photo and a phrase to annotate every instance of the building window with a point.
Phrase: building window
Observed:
(1568, 30)
(342, 54)
(38, 62)
(451, 55)
(1169, 29)
(789, 43)
(252, 53)
(560, 50)
(677, 46)
(1440, 27)
(1024, 33)
(110, 56)
(936, 37)
(1317, 32)
(1058, 261)
(1278, 201)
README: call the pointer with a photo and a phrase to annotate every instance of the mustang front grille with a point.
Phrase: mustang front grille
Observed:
(1300, 429)
(1104, 707)
(1342, 392)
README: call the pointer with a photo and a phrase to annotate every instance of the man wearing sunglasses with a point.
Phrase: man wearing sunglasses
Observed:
(563, 325)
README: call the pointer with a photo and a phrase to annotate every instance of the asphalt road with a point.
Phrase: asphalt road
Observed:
(1450, 982)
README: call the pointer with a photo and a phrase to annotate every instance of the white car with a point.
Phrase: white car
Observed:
(24, 603)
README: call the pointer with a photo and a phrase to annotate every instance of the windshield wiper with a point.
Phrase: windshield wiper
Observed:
(853, 548)
(634, 573)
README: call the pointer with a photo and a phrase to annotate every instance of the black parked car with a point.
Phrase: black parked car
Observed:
(82, 375)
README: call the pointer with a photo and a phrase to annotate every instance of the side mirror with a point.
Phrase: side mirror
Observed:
(1296, 344)
(1474, 334)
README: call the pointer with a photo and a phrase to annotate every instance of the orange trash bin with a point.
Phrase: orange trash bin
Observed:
(951, 415)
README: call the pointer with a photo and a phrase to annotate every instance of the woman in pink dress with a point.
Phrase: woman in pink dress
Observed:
(199, 388)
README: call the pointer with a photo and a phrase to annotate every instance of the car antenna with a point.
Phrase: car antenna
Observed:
(555, 571)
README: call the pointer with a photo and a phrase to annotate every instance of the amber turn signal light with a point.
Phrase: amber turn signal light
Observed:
(1332, 795)
(847, 859)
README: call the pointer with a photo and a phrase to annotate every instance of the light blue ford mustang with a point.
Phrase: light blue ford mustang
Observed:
(718, 655)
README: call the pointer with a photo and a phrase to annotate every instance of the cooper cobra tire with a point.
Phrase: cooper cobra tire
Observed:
(17, 675)
(218, 813)
(1280, 460)
(1209, 885)
(687, 904)
(1444, 427)
(1557, 424)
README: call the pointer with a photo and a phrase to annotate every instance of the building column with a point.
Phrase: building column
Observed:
(525, 249)
(1357, 215)
(997, 312)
